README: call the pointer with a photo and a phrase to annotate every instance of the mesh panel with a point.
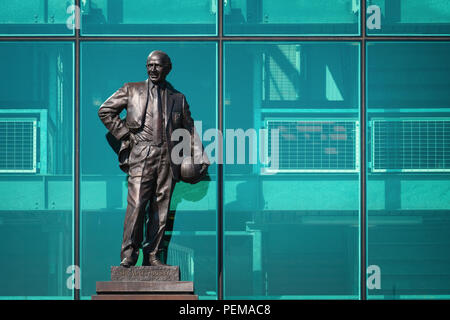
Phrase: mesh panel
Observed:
(411, 145)
(17, 145)
(316, 145)
(281, 84)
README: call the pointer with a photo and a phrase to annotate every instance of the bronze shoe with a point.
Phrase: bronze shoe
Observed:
(126, 263)
(155, 262)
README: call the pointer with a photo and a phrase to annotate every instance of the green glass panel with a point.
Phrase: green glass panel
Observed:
(36, 177)
(291, 226)
(411, 17)
(143, 17)
(106, 66)
(408, 185)
(413, 76)
(37, 17)
(291, 17)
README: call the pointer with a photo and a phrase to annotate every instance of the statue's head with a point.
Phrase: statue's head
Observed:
(158, 66)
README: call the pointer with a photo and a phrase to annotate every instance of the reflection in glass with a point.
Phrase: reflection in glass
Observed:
(106, 66)
(408, 196)
(291, 230)
(412, 17)
(35, 17)
(143, 17)
(291, 17)
(36, 181)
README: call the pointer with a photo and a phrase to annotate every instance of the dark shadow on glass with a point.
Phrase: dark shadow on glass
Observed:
(189, 193)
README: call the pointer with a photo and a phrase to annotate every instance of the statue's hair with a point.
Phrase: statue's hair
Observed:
(164, 55)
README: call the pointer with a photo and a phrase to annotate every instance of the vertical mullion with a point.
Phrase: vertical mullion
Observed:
(76, 179)
(220, 155)
(362, 175)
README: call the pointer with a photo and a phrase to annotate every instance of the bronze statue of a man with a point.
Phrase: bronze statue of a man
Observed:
(154, 109)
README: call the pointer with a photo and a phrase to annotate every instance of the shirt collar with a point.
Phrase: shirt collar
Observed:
(161, 85)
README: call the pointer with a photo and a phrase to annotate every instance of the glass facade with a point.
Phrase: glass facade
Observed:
(143, 17)
(37, 17)
(278, 243)
(334, 180)
(408, 185)
(412, 17)
(36, 184)
(192, 233)
(291, 17)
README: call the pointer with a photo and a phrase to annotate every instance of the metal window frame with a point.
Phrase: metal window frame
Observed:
(363, 38)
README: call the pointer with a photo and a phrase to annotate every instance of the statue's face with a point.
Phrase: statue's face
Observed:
(157, 68)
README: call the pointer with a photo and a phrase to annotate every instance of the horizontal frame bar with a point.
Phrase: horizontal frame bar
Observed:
(225, 38)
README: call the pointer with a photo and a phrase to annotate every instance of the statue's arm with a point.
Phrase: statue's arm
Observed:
(109, 113)
(197, 146)
(188, 122)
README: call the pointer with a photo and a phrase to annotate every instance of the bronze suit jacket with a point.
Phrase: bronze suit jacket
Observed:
(133, 97)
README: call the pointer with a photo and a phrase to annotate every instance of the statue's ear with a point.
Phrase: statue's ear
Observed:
(169, 68)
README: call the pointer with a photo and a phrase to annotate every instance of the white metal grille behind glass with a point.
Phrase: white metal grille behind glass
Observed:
(411, 145)
(316, 145)
(18, 145)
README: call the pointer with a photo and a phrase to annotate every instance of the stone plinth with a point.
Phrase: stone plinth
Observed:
(111, 287)
(145, 283)
(145, 297)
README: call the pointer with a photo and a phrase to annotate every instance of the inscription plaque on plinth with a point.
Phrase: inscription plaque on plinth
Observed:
(153, 273)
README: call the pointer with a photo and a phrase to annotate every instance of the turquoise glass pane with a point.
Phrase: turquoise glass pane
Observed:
(291, 17)
(291, 225)
(411, 17)
(36, 177)
(190, 239)
(143, 17)
(37, 17)
(408, 185)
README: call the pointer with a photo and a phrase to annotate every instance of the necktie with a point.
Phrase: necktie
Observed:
(157, 116)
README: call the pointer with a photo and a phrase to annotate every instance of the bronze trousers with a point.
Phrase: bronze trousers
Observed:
(150, 186)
